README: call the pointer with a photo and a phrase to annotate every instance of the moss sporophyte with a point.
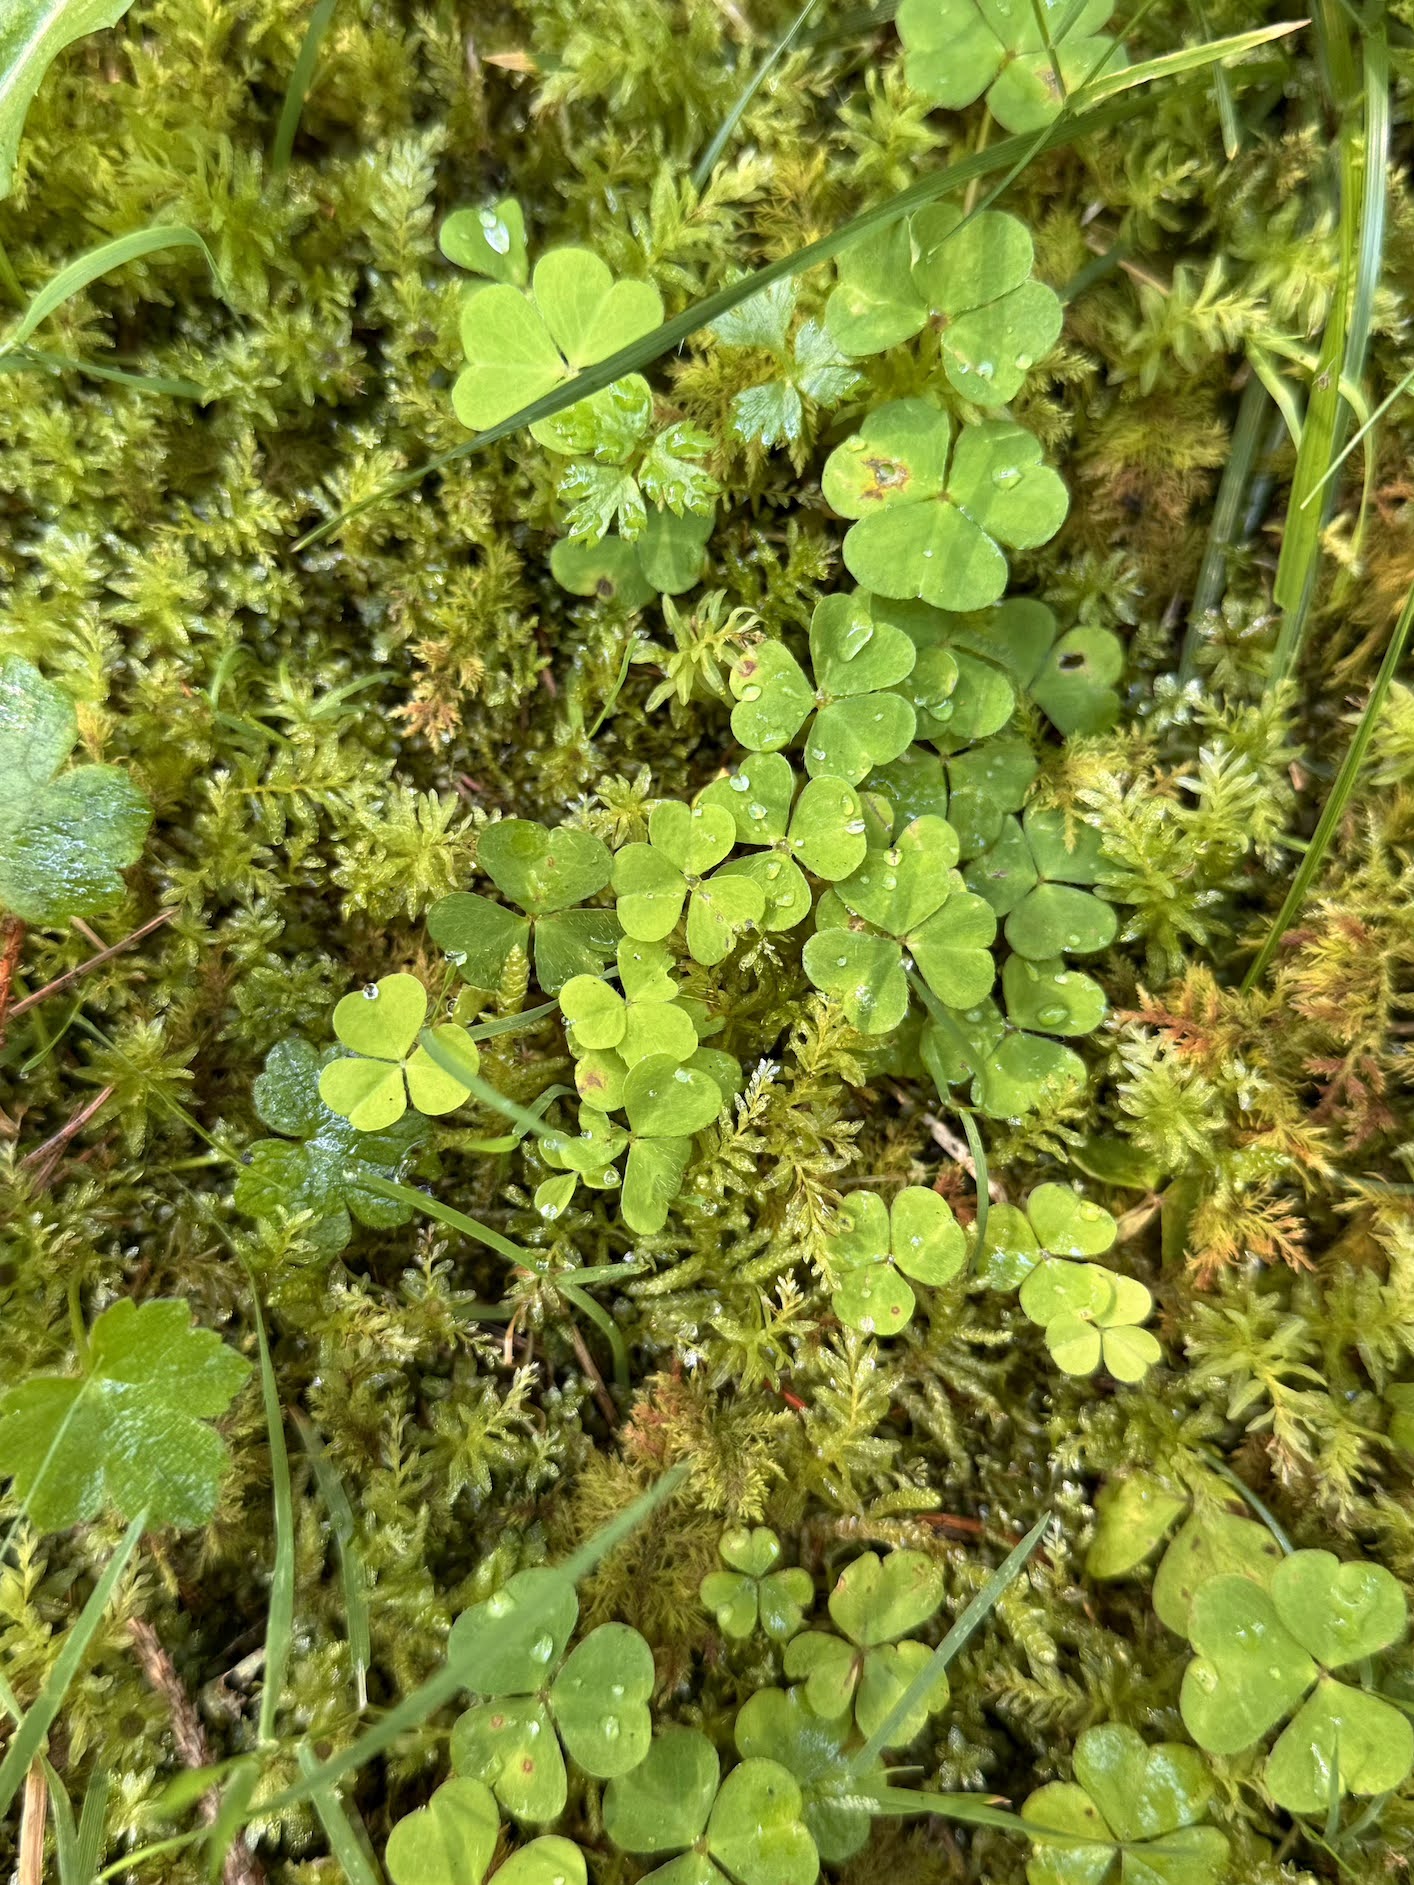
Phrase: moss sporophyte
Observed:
(704, 953)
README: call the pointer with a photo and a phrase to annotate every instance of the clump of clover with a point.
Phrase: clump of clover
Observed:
(1133, 1813)
(534, 1697)
(808, 374)
(452, 1841)
(1088, 1314)
(967, 280)
(1266, 1649)
(883, 1249)
(321, 1161)
(756, 1588)
(747, 1829)
(866, 1668)
(931, 515)
(393, 1061)
(548, 874)
(1026, 55)
(65, 835)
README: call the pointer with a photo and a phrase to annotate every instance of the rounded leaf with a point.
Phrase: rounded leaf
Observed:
(854, 652)
(587, 312)
(650, 890)
(1023, 1072)
(721, 908)
(1010, 1251)
(610, 571)
(1129, 1353)
(756, 797)
(1075, 686)
(692, 837)
(510, 1745)
(1249, 1670)
(756, 1831)
(953, 950)
(1339, 1613)
(383, 1019)
(1047, 996)
(732, 1599)
(876, 1600)
(827, 831)
(488, 241)
(863, 973)
(1133, 1514)
(662, 1805)
(1076, 1345)
(595, 1011)
(510, 1643)
(874, 1299)
(1055, 1288)
(1142, 1792)
(1209, 1544)
(899, 888)
(511, 359)
(784, 889)
(543, 870)
(600, 1700)
(1067, 1224)
(666, 1100)
(773, 697)
(928, 1242)
(1341, 1736)
(450, 1841)
(370, 1094)
(548, 1860)
(440, 1070)
(477, 935)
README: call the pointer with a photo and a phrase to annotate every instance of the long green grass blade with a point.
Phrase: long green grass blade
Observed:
(1067, 129)
(1189, 59)
(1247, 434)
(36, 360)
(967, 1624)
(28, 1738)
(301, 76)
(1340, 793)
(526, 1620)
(280, 1614)
(102, 261)
(77, 1849)
(707, 163)
(352, 1854)
(453, 1219)
(351, 1573)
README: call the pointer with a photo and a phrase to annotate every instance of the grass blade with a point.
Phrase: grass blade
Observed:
(280, 1619)
(966, 1625)
(28, 1737)
(344, 1527)
(101, 261)
(439, 1688)
(453, 1219)
(707, 163)
(35, 360)
(1189, 59)
(301, 75)
(1340, 793)
(1247, 435)
(1067, 129)
(352, 1853)
(95, 1805)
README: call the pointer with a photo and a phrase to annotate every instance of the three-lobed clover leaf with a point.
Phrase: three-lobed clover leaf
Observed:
(882, 1246)
(666, 558)
(65, 835)
(1012, 1072)
(1055, 1222)
(1262, 1653)
(748, 1829)
(596, 1698)
(968, 278)
(1071, 676)
(1089, 1315)
(1133, 1815)
(875, 1602)
(130, 1433)
(825, 831)
(488, 241)
(905, 897)
(547, 873)
(519, 346)
(855, 720)
(390, 1064)
(754, 1589)
(654, 880)
(810, 373)
(780, 1725)
(646, 1018)
(1026, 55)
(1034, 876)
(930, 519)
(320, 1163)
(1210, 1543)
(452, 1841)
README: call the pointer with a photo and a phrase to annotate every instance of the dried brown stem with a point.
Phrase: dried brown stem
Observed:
(93, 962)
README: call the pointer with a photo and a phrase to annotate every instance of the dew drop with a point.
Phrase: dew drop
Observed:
(370, 991)
(610, 1728)
(856, 637)
(841, 962)
(542, 1649)
(855, 827)
(752, 693)
(739, 782)
(1023, 361)
(757, 812)
(1052, 1016)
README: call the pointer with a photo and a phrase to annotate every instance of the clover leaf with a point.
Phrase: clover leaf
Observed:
(1260, 1652)
(983, 786)
(1090, 1315)
(450, 1841)
(825, 831)
(911, 900)
(811, 373)
(320, 1163)
(596, 1698)
(749, 1829)
(1032, 876)
(858, 721)
(385, 1072)
(1210, 1543)
(1055, 1222)
(1137, 1809)
(1133, 1515)
(754, 1590)
(646, 1018)
(780, 1725)
(967, 278)
(666, 1103)
(129, 1433)
(1071, 677)
(930, 520)
(1027, 55)
(489, 241)
(881, 1246)
(875, 1602)
(64, 835)
(666, 558)
(546, 873)
(654, 880)
(520, 346)
(1011, 1072)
